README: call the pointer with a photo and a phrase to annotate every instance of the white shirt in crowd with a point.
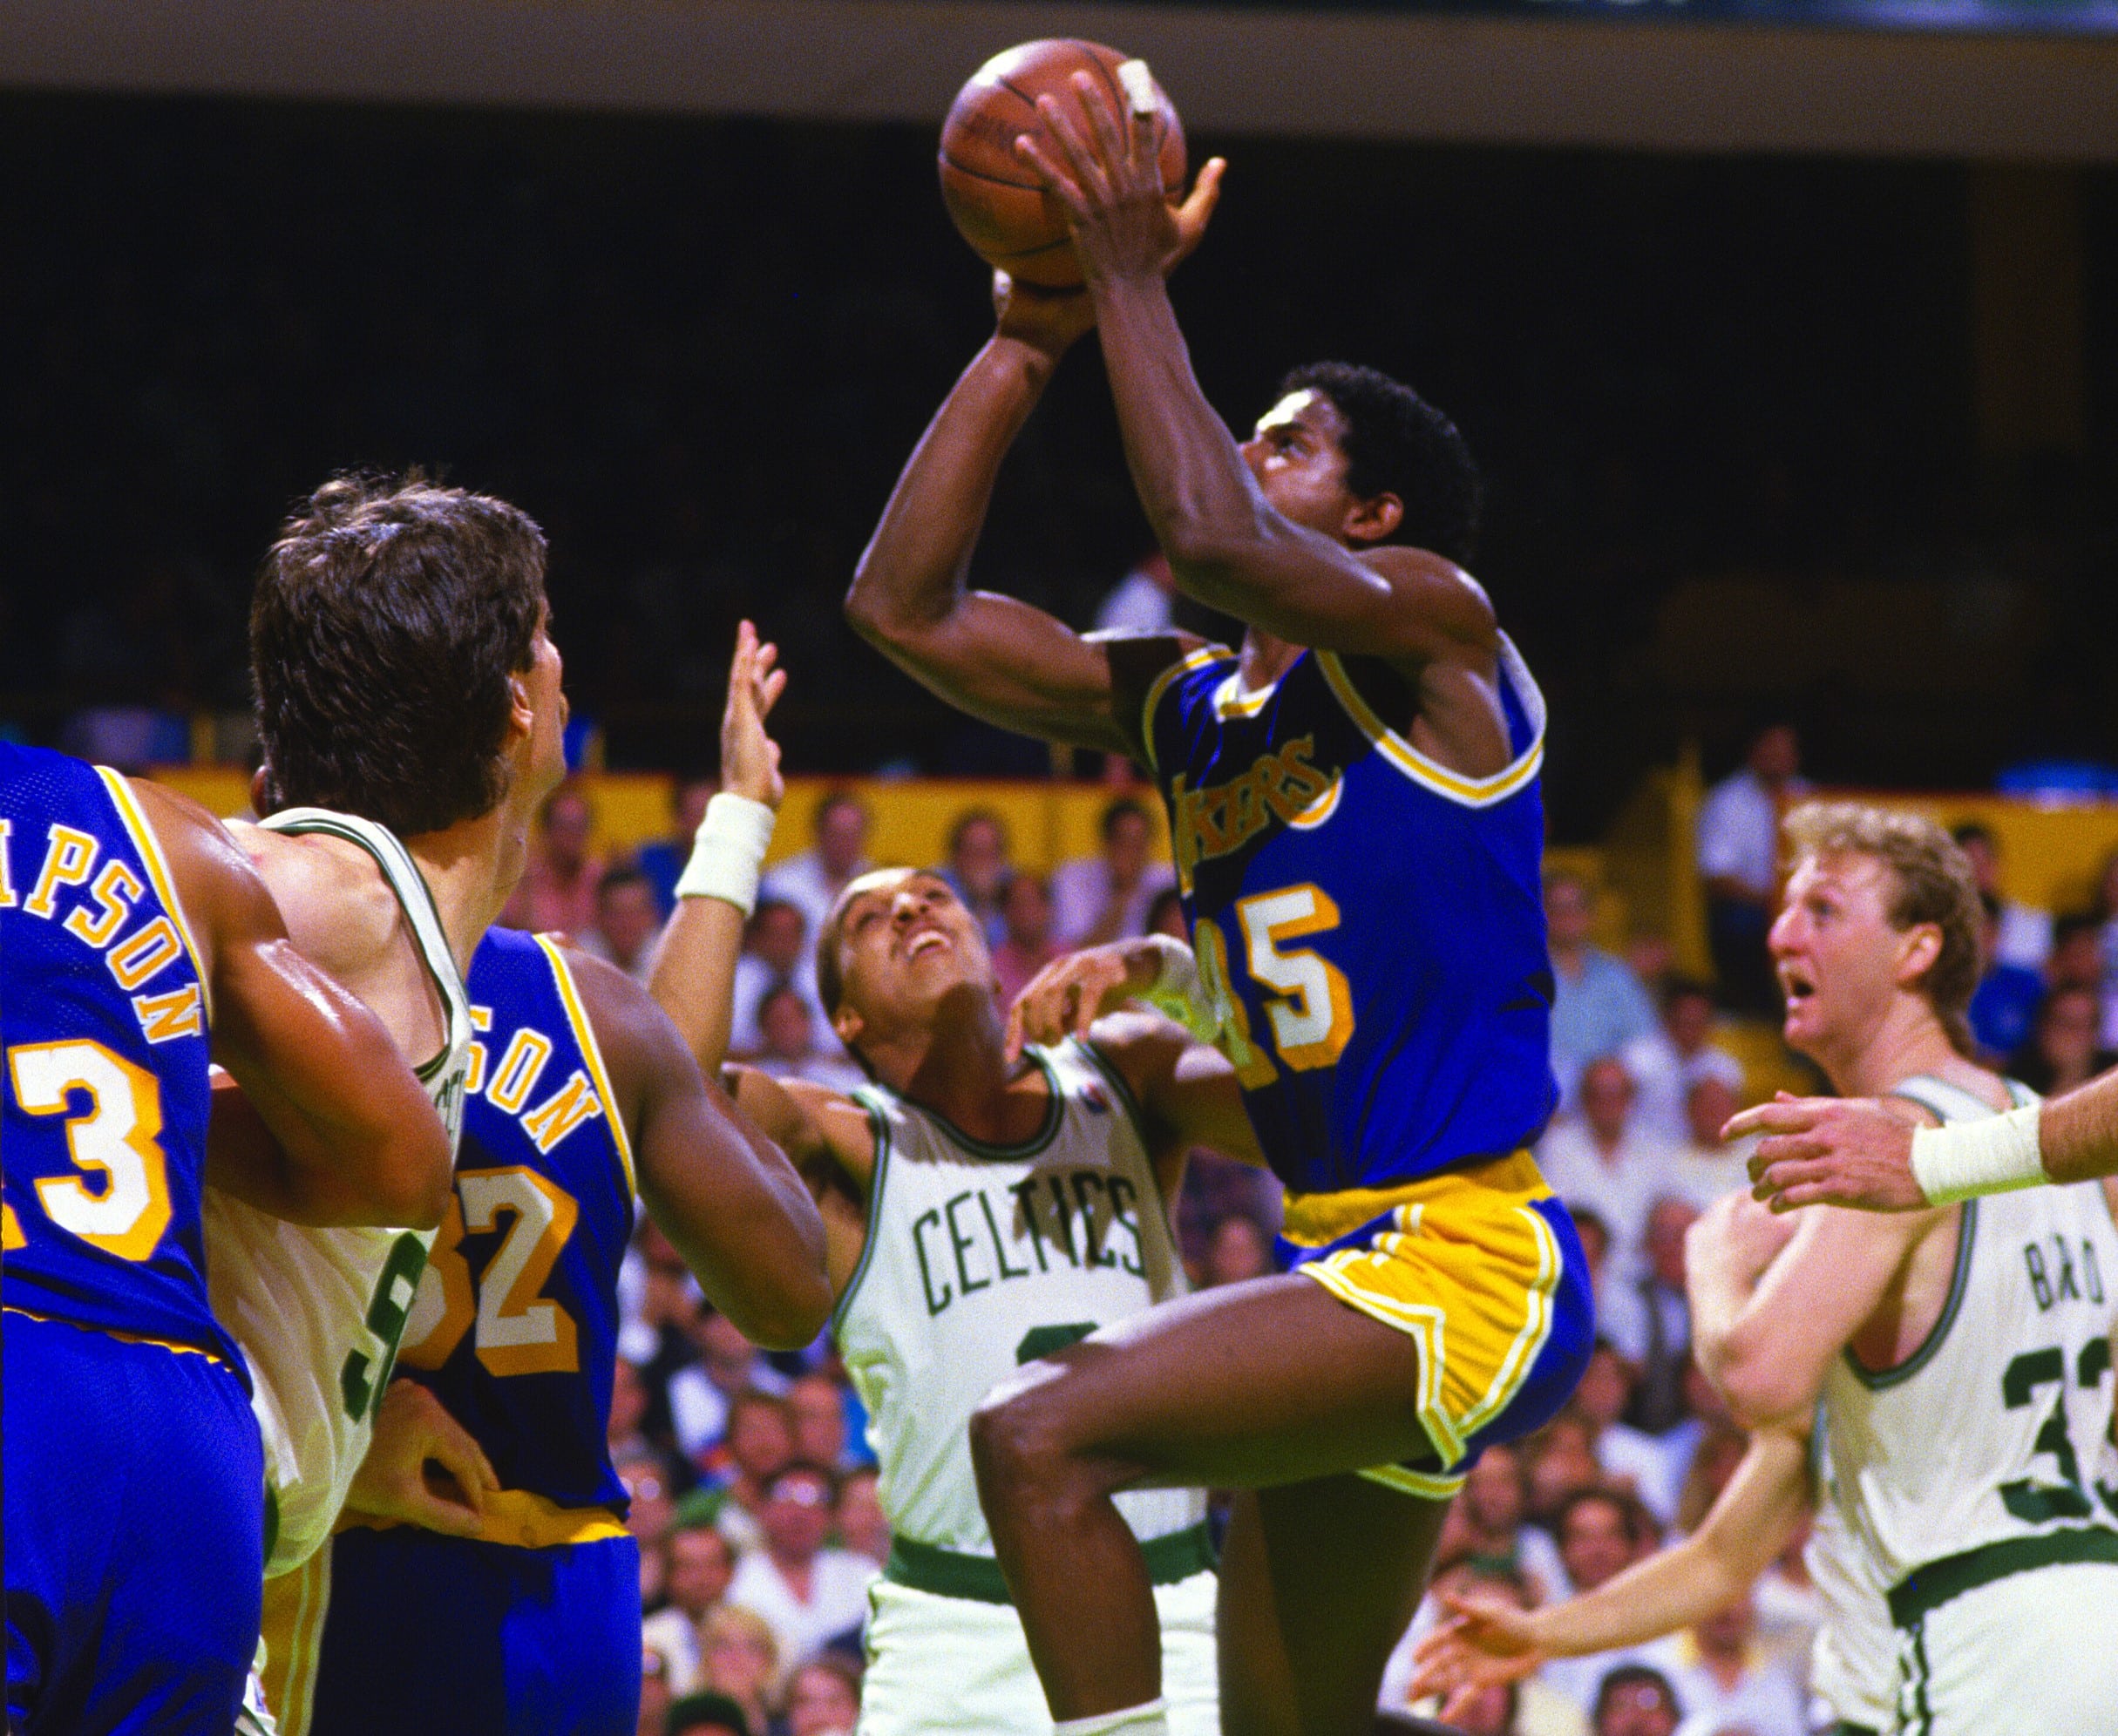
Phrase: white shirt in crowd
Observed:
(1081, 890)
(1662, 1079)
(753, 980)
(1767, 1701)
(1739, 831)
(838, 1599)
(698, 1409)
(1620, 1191)
(801, 881)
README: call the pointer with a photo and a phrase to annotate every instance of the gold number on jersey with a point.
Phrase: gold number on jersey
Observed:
(1312, 1018)
(116, 1136)
(519, 1330)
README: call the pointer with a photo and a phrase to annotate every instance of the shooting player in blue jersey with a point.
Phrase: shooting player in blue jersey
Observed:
(1353, 798)
(135, 942)
(516, 1606)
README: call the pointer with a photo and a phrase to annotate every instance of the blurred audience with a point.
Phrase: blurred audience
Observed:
(1144, 601)
(808, 1591)
(557, 894)
(739, 1657)
(1105, 896)
(1026, 944)
(1602, 1161)
(824, 1697)
(789, 1046)
(1666, 1062)
(776, 954)
(1598, 1005)
(2063, 1050)
(978, 867)
(1726, 1680)
(812, 881)
(2023, 934)
(627, 923)
(1635, 1700)
(662, 859)
(1739, 860)
(2003, 1007)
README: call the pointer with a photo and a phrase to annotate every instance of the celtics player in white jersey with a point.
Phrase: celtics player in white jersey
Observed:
(983, 1206)
(1960, 1355)
(411, 714)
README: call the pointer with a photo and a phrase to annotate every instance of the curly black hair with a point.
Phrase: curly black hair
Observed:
(1397, 442)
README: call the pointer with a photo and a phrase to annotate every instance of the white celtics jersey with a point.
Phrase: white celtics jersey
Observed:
(1995, 1428)
(1853, 1664)
(318, 1313)
(979, 1259)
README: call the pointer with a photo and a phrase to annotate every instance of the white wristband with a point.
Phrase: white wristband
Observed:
(1996, 1154)
(1178, 990)
(729, 853)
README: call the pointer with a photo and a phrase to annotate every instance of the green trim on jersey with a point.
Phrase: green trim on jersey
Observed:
(1877, 1380)
(950, 1573)
(1926, 1589)
(1054, 1118)
(879, 1124)
(1116, 1079)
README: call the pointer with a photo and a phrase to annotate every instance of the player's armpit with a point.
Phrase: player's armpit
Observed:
(1186, 1089)
(353, 1139)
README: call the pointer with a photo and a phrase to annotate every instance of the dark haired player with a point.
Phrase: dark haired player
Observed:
(1353, 800)
(135, 942)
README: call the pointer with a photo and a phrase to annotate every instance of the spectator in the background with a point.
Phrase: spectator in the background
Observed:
(978, 868)
(739, 1657)
(1667, 1061)
(1705, 1166)
(655, 1697)
(707, 1714)
(1026, 944)
(824, 1699)
(1629, 1458)
(701, 1562)
(1739, 860)
(1601, 1161)
(1562, 1462)
(1598, 1005)
(649, 1515)
(1144, 601)
(1600, 1533)
(863, 1526)
(662, 859)
(629, 1407)
(1726, 1680)
(1105, 896)
(2063, 1050)
(1650, 1322)
(558, 889)
(703, 1395)
(1241, 1249)
(2024, 935)
(812, 881)
(2003, 1007)
(807, 1591)
(817, 1405)
(1165, 916)
(788, 1048)
(2076, 959)
(776, 953)
(626, 922)
(1493, 1511)
(1634, 1700)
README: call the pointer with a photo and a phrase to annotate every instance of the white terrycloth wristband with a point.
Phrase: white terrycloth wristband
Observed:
(1995, 1154)
(1179, 991)
(729, 853)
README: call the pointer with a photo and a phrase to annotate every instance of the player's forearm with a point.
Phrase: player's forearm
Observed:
(2077, 1135)
(694, 979)
(910, 576)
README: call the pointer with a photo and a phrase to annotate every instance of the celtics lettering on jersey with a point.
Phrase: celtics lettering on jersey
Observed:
(982, 1258)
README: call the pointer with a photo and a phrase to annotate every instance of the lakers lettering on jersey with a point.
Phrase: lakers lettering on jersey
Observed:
(319, 1312)
(515, 1326)
(103, 1021)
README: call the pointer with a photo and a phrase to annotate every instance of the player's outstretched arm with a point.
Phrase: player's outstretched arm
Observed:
(1225, 545)
(1859, 1152)
(994, 657)
(1489, 1642)
(353, 1139)
(722, 1193)
(1773, 1301)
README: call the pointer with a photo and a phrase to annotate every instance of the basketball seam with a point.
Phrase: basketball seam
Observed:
(964, 169)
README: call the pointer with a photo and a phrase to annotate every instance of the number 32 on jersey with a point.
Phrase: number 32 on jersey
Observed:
(518, 1331)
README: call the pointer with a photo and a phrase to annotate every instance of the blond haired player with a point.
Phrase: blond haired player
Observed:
(983, 1203)
(1960, 1355)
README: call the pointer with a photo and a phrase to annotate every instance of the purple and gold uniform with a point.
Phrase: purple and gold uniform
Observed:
(134, 1478)
(535, 1626)
(1371, 924)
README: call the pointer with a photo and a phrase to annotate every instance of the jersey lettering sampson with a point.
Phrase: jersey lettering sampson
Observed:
(1371, 922)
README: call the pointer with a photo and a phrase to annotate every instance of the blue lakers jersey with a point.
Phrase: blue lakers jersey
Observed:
(103, 1019)
(1372, 922)
(515, 1327)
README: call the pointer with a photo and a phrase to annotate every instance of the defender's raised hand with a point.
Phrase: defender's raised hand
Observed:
(750, 758)
(1830, 1151)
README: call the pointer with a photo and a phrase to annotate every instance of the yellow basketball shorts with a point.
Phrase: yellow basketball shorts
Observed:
(1482, 1268)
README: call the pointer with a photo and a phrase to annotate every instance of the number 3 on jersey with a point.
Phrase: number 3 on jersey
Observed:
(519, 1330)
(116, 1136)
(1310, 1008)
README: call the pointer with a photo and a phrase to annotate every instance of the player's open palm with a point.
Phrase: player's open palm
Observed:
(1486, 1642)
(423, 1466)
(750, 758)
(1068, 996)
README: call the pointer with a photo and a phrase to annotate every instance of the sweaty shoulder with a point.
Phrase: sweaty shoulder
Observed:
(1137, 661)
(339, 909)
(1447, 598)
(215, 880)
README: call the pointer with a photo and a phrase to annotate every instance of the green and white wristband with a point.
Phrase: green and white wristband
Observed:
(728, 854)
(1996, 1154)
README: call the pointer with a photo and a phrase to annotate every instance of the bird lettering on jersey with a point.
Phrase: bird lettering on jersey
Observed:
(1217, 819)
(2055, 1280)
(98, 920)
(1085, 1218)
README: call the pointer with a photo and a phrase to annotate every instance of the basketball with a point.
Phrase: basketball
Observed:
(993, 197)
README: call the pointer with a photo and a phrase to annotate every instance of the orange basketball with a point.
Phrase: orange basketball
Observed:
(993, 195)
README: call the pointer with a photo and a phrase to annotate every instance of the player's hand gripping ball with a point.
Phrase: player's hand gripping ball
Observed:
(993, 196)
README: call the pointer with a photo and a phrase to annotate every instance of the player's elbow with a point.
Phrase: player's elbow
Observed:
(408, 1181)
(1760, 1389)
(790, 1314)
(874, 610)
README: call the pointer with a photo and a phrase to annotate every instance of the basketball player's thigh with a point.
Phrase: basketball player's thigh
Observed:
(1271, 1381)
(1319, 1582)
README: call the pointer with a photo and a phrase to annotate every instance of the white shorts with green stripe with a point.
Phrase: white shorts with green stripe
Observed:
(939, 1664)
